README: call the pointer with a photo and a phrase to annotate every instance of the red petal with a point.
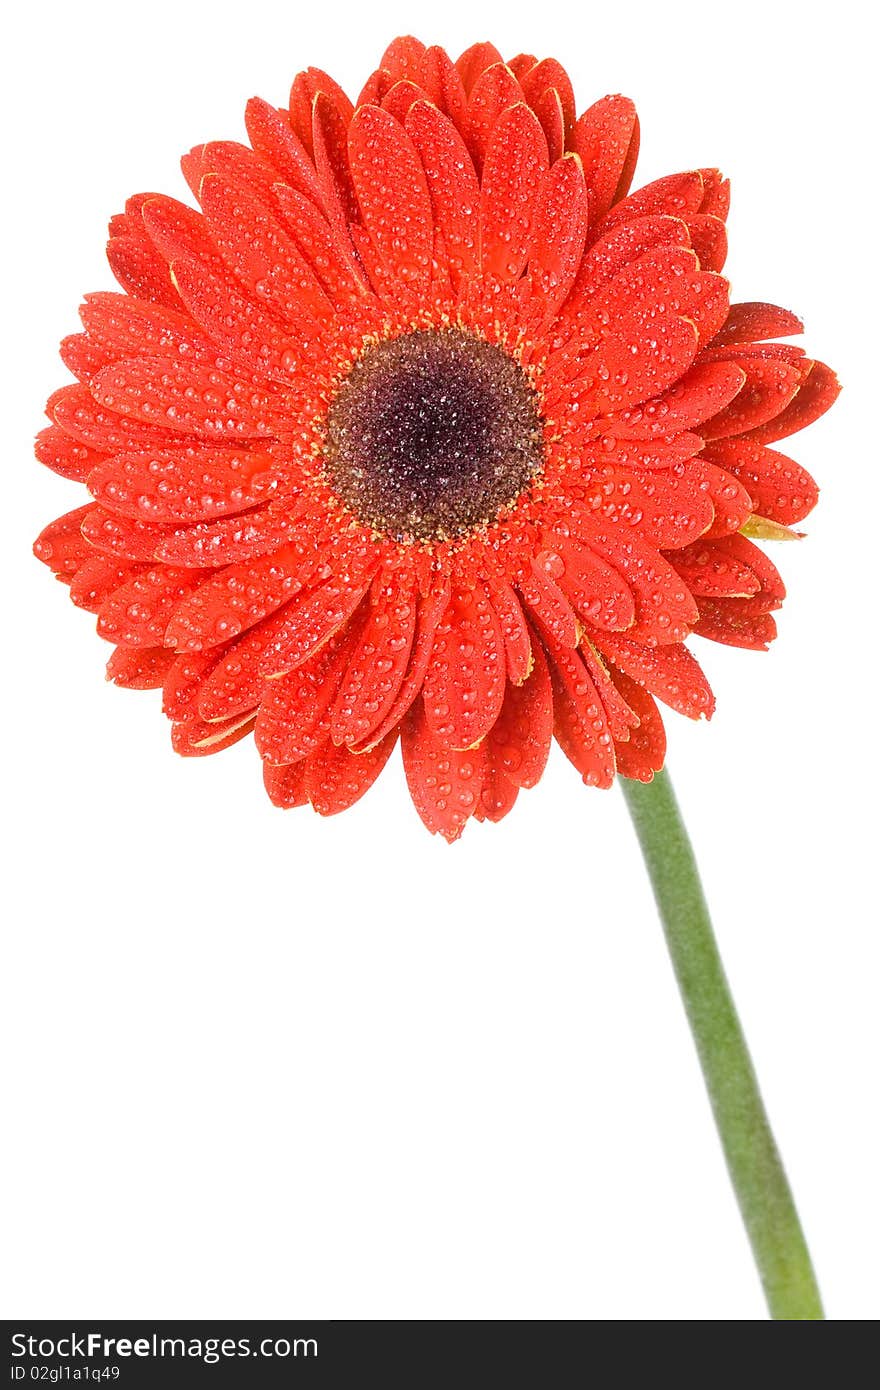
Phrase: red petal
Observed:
(137, 614)
(330, 140)
(139, 668)
(285, 784)
(452, 181)
(521, 735)
(234, 683)
(444, 86)
(196, 740)
(259, 251)
(730, 501)
(580, 722)
(618, 248)
(495, 91)
(83, 357)
(709, 240)
(644, 752)
(730, 622)
(444, 784)
(769, 387)
(393, 195)
(125, 327)
(465, 680)
(595, 589)
(550, 76)
(517, 642)
(711, 571)
(551, 118)
(62, 546)
(671, 673)
(105, 431)
(474, 61)
(754, 323)
(329, 254)
(676, 195)
(121, 537)
(778, 486)
(560, 228)
(69, 459)
(516, 158)
(815, 395)
(272, 137)
(716, 193)
(497, 794)
(251, 337)
(378, 662)
(701, 393)
(335, 778)
(235, 598)
(230, 541)
(183, 683)
(167, 485)
(549, 606)
(430, 613)
(641, 359)
(307, 87)
(607, 140)
(665, 611)
(191, 399)
(99, 577)
(316, 616)
(141, 271)
(293, 718)
(404, 57)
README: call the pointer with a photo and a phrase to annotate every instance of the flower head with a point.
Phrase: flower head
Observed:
(421, 429)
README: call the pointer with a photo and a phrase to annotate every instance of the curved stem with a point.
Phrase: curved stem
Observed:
(753, 1160)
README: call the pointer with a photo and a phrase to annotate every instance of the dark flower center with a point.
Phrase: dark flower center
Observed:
(432, 433)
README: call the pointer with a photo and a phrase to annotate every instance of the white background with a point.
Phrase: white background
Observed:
(261, 1064)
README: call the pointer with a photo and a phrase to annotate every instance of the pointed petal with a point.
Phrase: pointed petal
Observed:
(65, 456)
(195, 484)
(137, 614)
(580, 722)
(285, 784)
(336, 778)
(755, 323)
(62, 546)
(139, 668)
(644, 752)
(393, 195)
(559, 232)
(770, 385)
(466, 676)
(515, 629)
(669, 672)
(516, 159)
(378, 662)
(815, 395)
(607, 140)
(521, 735)
(453, 186)
(779, 487)
(596, 590)
(444, 784)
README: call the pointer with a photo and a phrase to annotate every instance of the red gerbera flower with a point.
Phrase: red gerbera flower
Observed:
(423, 429)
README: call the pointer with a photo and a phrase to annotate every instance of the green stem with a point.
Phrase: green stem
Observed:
(753, 1159)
